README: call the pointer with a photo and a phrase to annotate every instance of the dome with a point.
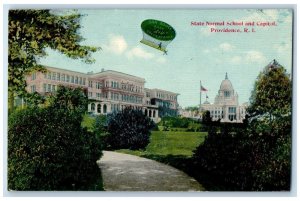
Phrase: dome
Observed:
(226, 85)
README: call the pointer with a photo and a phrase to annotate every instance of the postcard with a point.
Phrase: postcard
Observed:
(159, 100)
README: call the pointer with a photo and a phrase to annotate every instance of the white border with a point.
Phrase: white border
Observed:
(159, 4)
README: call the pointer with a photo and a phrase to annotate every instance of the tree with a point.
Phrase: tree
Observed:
(30, 32)
(272, 94)
(49, 150)
(129, 129)
(70, 98)
(255, 155)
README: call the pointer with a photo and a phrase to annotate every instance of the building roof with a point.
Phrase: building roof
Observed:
(165, 91)
(117, 73)
(226, 84)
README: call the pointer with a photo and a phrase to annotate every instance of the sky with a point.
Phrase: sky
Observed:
(195, 54)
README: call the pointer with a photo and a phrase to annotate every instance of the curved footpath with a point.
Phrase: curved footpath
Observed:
(124, 172)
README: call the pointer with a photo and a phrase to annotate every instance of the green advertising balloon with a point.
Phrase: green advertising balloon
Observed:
(157, 34)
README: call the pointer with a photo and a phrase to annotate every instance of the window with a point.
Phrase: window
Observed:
(49, 75)
(98, 85)
(83, 81)
(53, 76)
(80, 80)
(226, 93)
(232, 110)
(112, 84)
(45, 87)
(104, 108)
(99, 108)
(93, 107)
(33, 76)
(53, 88)
(72, 79)
(98, 95)
(68, 78)
(63, 77)
(45, 75)
(90, 94)
(58, 77)
(49, 87)
(91, 84)
(76, 80)
(32, 88)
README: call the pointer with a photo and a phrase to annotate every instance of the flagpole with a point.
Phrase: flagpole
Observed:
(200, 96)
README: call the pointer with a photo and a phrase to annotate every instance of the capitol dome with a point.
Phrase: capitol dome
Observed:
(226, 85)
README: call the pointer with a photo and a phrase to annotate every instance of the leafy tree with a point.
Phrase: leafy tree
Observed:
(29, 33)
(49, 150)
(272, 94)
(70, 99)
(255, 155)
(129, 129)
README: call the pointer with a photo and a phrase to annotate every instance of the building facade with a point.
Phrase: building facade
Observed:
(109, 91)
(226, 107)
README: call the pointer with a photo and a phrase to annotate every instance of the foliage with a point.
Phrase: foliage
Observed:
(88, 122)
(128, 129)
(254, 155)
(272, 94)
(70, 99)
(30, 32)
(192, 108)
(169, 123)
(166, 111)
(100, 124)
(49, 150)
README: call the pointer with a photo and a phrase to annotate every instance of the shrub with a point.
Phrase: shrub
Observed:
(128, 129)
(49, 150)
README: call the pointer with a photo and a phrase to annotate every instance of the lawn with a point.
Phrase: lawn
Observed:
(164, 143)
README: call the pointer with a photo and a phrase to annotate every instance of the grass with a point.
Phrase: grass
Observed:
(88, 122)
(164, 143)
(176, 149)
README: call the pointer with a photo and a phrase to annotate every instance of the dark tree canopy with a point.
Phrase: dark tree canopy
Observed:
(30, 32)
(272, 94)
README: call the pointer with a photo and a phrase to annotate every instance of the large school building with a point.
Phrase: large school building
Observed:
(108, 90)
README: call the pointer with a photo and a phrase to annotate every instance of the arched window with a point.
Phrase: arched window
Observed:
(153, 113)
(149, 113)
(99, 108)
(104, 108)
(226, 93)
(146, 112)
(93, 107)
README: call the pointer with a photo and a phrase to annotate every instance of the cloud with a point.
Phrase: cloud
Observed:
(161, 60)
(117, 44)
(236, 60)
(283, 48)
(255, 57)
(140, 53)
(262, 15)
(226, 47)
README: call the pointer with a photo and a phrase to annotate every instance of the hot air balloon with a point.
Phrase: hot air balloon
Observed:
(157, 34)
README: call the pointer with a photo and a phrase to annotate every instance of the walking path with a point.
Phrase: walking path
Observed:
(124, 172)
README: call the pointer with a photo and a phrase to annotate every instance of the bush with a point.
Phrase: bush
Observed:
(49, 150)
(238, 158)
(128, 129)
